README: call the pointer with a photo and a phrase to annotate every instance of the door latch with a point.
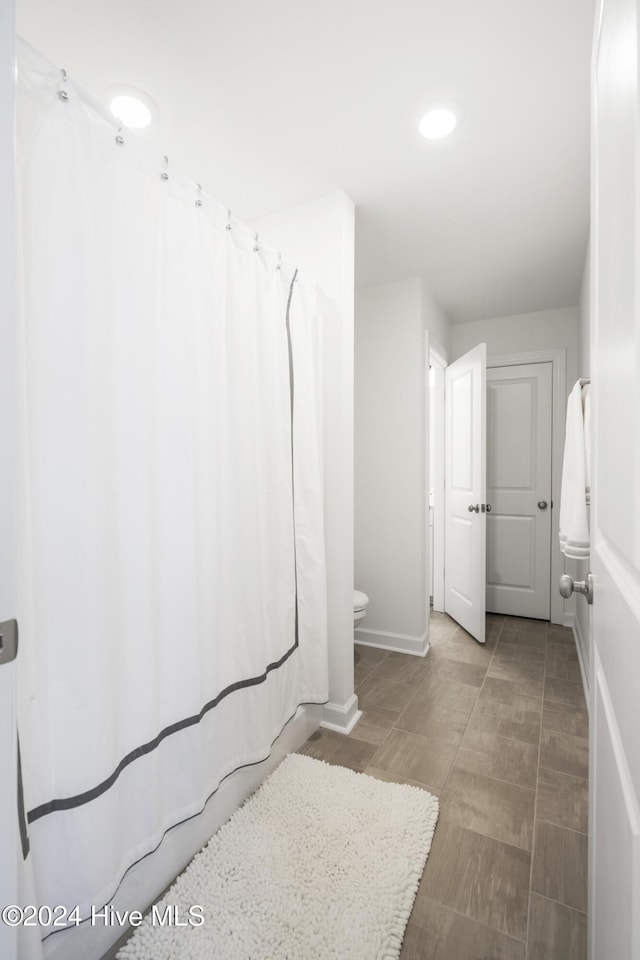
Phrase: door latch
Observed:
(8, 641)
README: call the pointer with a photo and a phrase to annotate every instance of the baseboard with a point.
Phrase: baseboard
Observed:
(396, 642)
(341, 718)
(580, 643)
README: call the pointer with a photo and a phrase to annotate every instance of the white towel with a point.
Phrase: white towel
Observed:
(574, 521)
(586, 411)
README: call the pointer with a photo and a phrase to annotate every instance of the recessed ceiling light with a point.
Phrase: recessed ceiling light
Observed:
(439, 122)
(134, 107)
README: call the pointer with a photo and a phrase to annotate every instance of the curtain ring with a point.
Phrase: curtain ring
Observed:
(228, 226)
(62, 94)
(199, 195)
(119, 137)
(164, 175)
(256, 245)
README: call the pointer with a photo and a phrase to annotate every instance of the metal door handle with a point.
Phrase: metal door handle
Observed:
(568, 586)
(474, 509)
(543, 504)
(488, 508)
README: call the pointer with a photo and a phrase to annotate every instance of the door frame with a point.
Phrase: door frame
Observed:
(557, 356)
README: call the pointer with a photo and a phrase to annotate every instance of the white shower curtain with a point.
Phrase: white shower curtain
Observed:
(171, 551)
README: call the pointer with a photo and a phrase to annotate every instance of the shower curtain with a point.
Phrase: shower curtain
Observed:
(171, 556)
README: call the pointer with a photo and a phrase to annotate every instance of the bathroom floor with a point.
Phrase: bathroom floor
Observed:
(499, 733)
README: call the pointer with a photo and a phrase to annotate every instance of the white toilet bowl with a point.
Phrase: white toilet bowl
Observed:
(360, 603)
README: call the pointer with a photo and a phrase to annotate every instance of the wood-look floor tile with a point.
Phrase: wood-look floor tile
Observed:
(403, 668)
(369, 732)
(565, 718)
(564, 691)
(556, 932)
(523, 653)
(561, 651)
(468, 651)
(377, 691)
(526, 625)
(493, 628)
(491, 807)
(560, 865)
(387, 777)
(510, 691)
(379, 716)
(372, 655)
(558, 634)
(481, 878)
(440, 633)
(517, 721)
(563, 800)
(526, 634)
(517, 671)
(471, 674)
(432, 718)
(338, 749)
(417, 758)
(436, 933)
(448, 693)
(564, 753)
(490, 635)
(361, 671)
(495, 756)
(564, 670)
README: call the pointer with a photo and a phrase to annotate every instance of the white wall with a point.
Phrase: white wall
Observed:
(319, 238)
(437, 324)
(527, 331)
(391, 437)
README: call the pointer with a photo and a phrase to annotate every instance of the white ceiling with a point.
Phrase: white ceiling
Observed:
(269, 103)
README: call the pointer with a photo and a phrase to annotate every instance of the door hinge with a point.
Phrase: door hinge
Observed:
(8, 641)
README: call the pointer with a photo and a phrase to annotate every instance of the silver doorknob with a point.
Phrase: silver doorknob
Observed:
(543, 504)
(474, 508)
(568, 586)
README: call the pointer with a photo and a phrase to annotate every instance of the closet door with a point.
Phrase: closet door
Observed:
(519, 414)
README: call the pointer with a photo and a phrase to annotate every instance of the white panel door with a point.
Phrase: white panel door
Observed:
(519, 412)
(8, 750)
(465, 485)
(614, 821)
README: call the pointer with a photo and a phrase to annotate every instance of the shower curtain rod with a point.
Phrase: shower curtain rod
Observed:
(101, 111)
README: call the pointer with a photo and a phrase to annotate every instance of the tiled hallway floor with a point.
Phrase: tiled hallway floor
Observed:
(499, 733)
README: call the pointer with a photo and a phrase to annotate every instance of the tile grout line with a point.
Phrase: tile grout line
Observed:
(566, 906)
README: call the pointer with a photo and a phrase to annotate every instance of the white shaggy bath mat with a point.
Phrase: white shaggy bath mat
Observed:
(319, 863)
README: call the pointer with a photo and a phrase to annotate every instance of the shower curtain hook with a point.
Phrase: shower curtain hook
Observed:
(256, 245)
(279, 263)
(199, 195)
(119, 137)
(164, 174)
(62, 94)
(228, 226)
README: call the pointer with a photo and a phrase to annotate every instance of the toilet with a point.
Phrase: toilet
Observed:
(360, 603)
